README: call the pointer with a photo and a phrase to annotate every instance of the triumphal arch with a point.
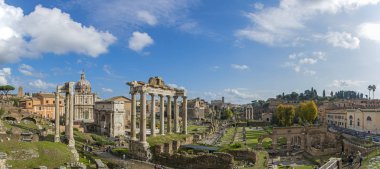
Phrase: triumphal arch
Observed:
(155, 87)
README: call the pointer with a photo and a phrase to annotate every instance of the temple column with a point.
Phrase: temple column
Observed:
(162, 115)
(176, 113)
(184, 118)
(71, 120)
(246, 113)
(143, 117)
(133, 117)
(111, 125)
(56, 137)
(169, 115)
(67, 115)
(153, 115)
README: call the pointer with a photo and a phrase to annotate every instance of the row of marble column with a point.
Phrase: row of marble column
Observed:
(143, 110)
(248, 113)
(69, 118)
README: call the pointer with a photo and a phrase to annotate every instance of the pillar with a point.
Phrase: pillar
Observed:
(111, 132)
(67, 115)
(56, 137)
(246, 113)
(153, 115)
(169, 114)
(162, 115)
(143, 117)
(176, 114)
(71, 120)
(184, 118)
(133, 117)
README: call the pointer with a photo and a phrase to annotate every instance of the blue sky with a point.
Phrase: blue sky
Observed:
(241, 49)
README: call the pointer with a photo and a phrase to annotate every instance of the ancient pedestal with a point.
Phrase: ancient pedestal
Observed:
(139, 151)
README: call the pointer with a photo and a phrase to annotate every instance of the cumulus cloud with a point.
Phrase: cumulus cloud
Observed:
(284, 23)
(46, 30)
(370, 31)
(39, 84)
(299, 61)
(4, 74)
(139, 41)
(107, 90)
(239, 67)
(147, 17)
(343, 40)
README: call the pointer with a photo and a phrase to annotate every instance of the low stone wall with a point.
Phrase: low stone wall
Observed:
(3, 160)
(246, 155)
(204, 161)
(326, 151)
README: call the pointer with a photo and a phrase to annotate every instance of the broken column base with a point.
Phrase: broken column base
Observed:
(74, 152)
(139, 151)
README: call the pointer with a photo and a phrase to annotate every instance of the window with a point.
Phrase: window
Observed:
(30, 104)
(350, 122)
(358, 122)
(350, 117)
(47, 101)
(369, 118)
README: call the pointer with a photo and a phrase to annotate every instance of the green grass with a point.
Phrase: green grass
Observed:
(227, 137)
(196, 129)
(369, 156)
(120, 152)
(49, 154)
(261, 158)
(161, 139)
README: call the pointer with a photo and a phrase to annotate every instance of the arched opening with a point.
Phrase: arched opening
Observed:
(28, 120)
(369, 118)
(10, 119)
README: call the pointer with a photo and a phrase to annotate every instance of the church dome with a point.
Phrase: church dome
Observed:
(83, 86)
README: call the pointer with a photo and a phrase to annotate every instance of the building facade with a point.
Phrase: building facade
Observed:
(109, 117)
(84, 101)
(42, 104)
(196, 108)
(364, 120)
(336, 118)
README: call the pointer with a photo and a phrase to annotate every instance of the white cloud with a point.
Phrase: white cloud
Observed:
(258, 6)
(285, 22)
(233, 95)
(214, 68)
(343, 40)
(107, 90)
(107, 69)
(176, 86)
(346, 83)
(139, 41)
(299, 61)
(4, 74)
(147, 17)
(370, 31)
(239, 67)
(39, 84)
(28, 70)
(127, 14)
(46, 30)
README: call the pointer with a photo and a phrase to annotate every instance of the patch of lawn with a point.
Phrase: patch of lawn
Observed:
(161, 139)
(196, 129)
(34, 154)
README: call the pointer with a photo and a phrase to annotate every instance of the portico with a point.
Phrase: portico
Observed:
(156, 88)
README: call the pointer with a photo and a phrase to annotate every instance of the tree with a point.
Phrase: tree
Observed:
(229, 113)
(373, 91)
(285, 115)
(324, 94)
(332, 94)
(369, 91)
(308, 111)
(5, 89)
